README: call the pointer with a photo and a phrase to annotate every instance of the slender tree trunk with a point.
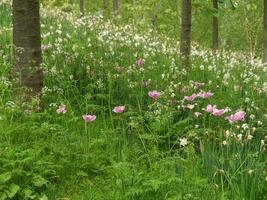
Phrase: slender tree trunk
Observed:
(154, 16)
(265, 32)
(82, 8)
(116, 8)
(215, 33)
(154, 20)
(185, 40)
(27, 73)
(105, 8)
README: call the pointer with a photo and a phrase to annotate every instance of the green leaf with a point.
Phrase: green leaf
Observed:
(5, 177)
(82, 173)
(182, 125)
(3, 196)
(147, 137)
(39, 181)
(28, 193)
(13, 189)
(44, 197)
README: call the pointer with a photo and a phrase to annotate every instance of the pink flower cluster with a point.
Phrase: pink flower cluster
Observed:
(212, 109)
(191, 98)
(119, 109)
(62, 109)
(89, 118)
(215, 111)
(139, 62)
(154, 94)
(238, 116)
(203, 95)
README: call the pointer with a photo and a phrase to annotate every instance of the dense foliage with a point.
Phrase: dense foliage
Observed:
(170, 141)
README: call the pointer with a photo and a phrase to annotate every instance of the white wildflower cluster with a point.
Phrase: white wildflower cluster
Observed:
(9, 2)
(5, 83)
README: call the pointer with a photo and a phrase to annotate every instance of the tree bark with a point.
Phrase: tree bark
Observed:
(105, 8)
(27, 73)
(215, 33)
(116, 8)
(154, 16)
(265, 32)
(81, 8)
(185, 39)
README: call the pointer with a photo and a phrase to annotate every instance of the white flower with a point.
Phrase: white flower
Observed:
(210, 68)
(239, 136)
(250, 137)
(245, 126)
(227, 133)
(252, 116)
(247, 100)
(250, 171)
(183, 142)
(259, 123)
(10, 104)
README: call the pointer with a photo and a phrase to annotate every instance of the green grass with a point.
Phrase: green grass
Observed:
(136, 154)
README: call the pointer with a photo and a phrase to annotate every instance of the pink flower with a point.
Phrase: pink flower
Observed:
(191, 98)
(89, 118)
(205, 95)
(218, 112)
(62, 109)
(119, 109)
(197, 114)
(210, 108)
(238, 116)
(215, 111)
(139, 62)
(154, 94)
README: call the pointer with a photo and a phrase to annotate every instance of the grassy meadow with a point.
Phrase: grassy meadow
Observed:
(199, 133)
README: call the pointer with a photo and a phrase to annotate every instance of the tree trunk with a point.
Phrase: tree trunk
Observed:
(265, 32)
(154, 16)
(116, 8)
(215, 33)
(185, 40)
(105, 8)
(27, 73)
(81, 8)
